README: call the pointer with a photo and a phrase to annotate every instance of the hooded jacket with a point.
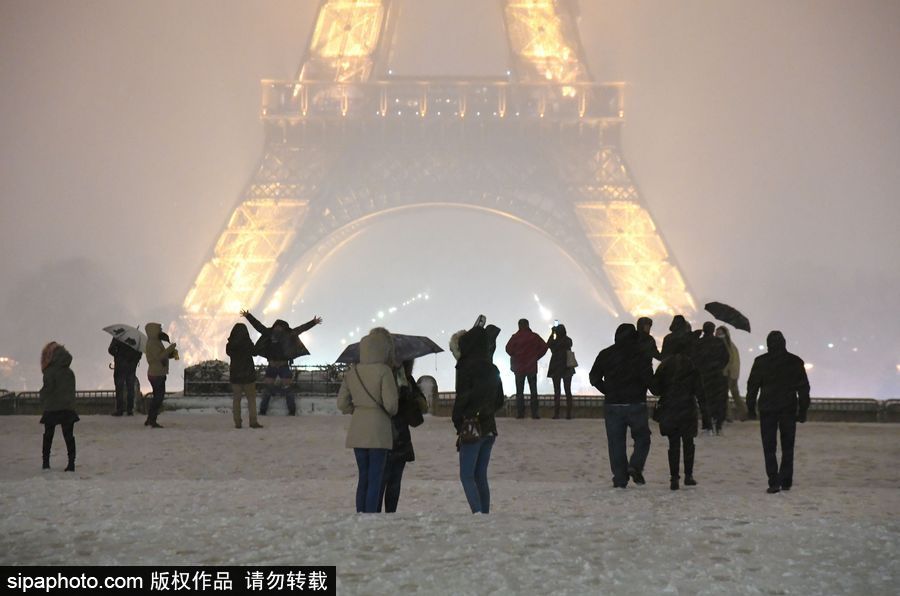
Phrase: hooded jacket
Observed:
(680, 387)
(479, 390)
(280, 345)
(779, 378)
(367, 388)
(58, 391)
(680, 333)
(622, 372)
(240, 348)
(157, 355)
(525, 348)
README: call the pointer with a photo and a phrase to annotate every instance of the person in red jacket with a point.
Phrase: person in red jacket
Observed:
(525, 348)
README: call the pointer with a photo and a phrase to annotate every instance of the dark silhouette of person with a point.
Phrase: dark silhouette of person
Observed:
(647, 341)
(125, 363)
(779, 379)
(622, 373)
(525, 348)
(559, 371)
(710, 356)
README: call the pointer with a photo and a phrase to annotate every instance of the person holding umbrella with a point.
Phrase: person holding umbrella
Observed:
(126, 348)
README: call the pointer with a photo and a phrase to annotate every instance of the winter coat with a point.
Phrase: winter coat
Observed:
(479, 390)
(779, 378)
(648, 345)
(710, 356)
(370, 427)
(277, 345)
(559, 344)
(680, 387)
(733, 368)
(124, 356)
(525, 348)
(157, 355)
(622, 372)
(680, 334)
(241, 350)
(58, 391)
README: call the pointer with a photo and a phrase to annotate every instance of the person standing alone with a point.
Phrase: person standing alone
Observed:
(525, 348)
(157, 369)
(562, 368)
(58, 400)
(779, 378)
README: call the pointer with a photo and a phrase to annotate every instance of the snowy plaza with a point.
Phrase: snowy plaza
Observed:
(201, 492)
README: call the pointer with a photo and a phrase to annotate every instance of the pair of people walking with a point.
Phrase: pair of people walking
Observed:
(525, 349)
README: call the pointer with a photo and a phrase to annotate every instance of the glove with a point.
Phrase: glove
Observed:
(801, 418)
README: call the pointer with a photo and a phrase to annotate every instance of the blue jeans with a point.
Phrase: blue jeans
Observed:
(619, 418)
(278, 378)
(370, 463)
(473, 464)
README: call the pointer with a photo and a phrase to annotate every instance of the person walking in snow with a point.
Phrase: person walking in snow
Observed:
(779, 379)
(561, 370)
(479, 394)
(622, 372)
(242, 374)
(369, 393)
(525, 348)
(680, 387)
(645, 340)
(738, 409)
(279, 345)
(157, 369)
(710, 356)
(58, 401)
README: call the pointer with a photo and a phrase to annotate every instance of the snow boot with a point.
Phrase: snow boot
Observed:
(673, 483)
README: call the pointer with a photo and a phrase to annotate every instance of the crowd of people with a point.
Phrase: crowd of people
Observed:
(695, 374)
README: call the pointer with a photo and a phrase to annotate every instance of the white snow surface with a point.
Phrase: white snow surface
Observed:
(202, 492)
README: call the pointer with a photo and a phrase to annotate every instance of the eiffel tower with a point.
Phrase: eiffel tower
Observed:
(346, 140)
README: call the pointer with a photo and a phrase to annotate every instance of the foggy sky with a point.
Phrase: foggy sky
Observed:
(763, 137)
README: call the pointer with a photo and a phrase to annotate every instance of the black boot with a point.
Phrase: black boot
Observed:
(69, 436)
(674, 457)
(673, 483)
(45, 452)
(689, 464)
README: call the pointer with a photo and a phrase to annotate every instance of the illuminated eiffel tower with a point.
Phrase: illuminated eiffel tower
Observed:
(347, 140)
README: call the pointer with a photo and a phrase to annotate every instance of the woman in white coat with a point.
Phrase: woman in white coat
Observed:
(369, 393)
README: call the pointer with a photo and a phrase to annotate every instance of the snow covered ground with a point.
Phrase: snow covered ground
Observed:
(201, 491)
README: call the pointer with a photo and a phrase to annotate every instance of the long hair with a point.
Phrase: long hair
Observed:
(47, 354)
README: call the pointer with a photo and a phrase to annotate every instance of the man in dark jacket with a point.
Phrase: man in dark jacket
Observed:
(525, 348)
(679, 332)
(779, 378)
(645, 340)
(279, 344)
(125, 362)
(710, 356)
(622, 372)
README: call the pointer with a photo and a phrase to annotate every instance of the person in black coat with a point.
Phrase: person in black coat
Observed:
(680, 387)
(242, 373)
(622, 372)
(479, 393)
(779, 378)
(710, 356)
(647, 341)
(411, 406)
(58, 401)
(279, 344)
(125, 363)
(559, 371)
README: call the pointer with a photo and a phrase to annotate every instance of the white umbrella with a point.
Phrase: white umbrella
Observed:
(128, 335)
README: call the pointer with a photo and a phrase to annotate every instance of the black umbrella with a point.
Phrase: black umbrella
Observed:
(406, 347)
(728, 314)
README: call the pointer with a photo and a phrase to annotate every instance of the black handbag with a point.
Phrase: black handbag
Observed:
(470, 430)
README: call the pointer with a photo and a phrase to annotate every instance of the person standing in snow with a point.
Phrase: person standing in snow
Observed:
(279, 344)
(157, 369)
(58, 401)
(732, 371)
(680, 387)
(622, 372)
(559, 370)
(645, 340)
(525, 348)
(710, 356)
(369, 393)
(479, 394)
(125, 363)
(779, 378)
(242, 373)
(411, 405)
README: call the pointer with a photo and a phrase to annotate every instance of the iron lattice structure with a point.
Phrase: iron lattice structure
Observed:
(346, 141)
